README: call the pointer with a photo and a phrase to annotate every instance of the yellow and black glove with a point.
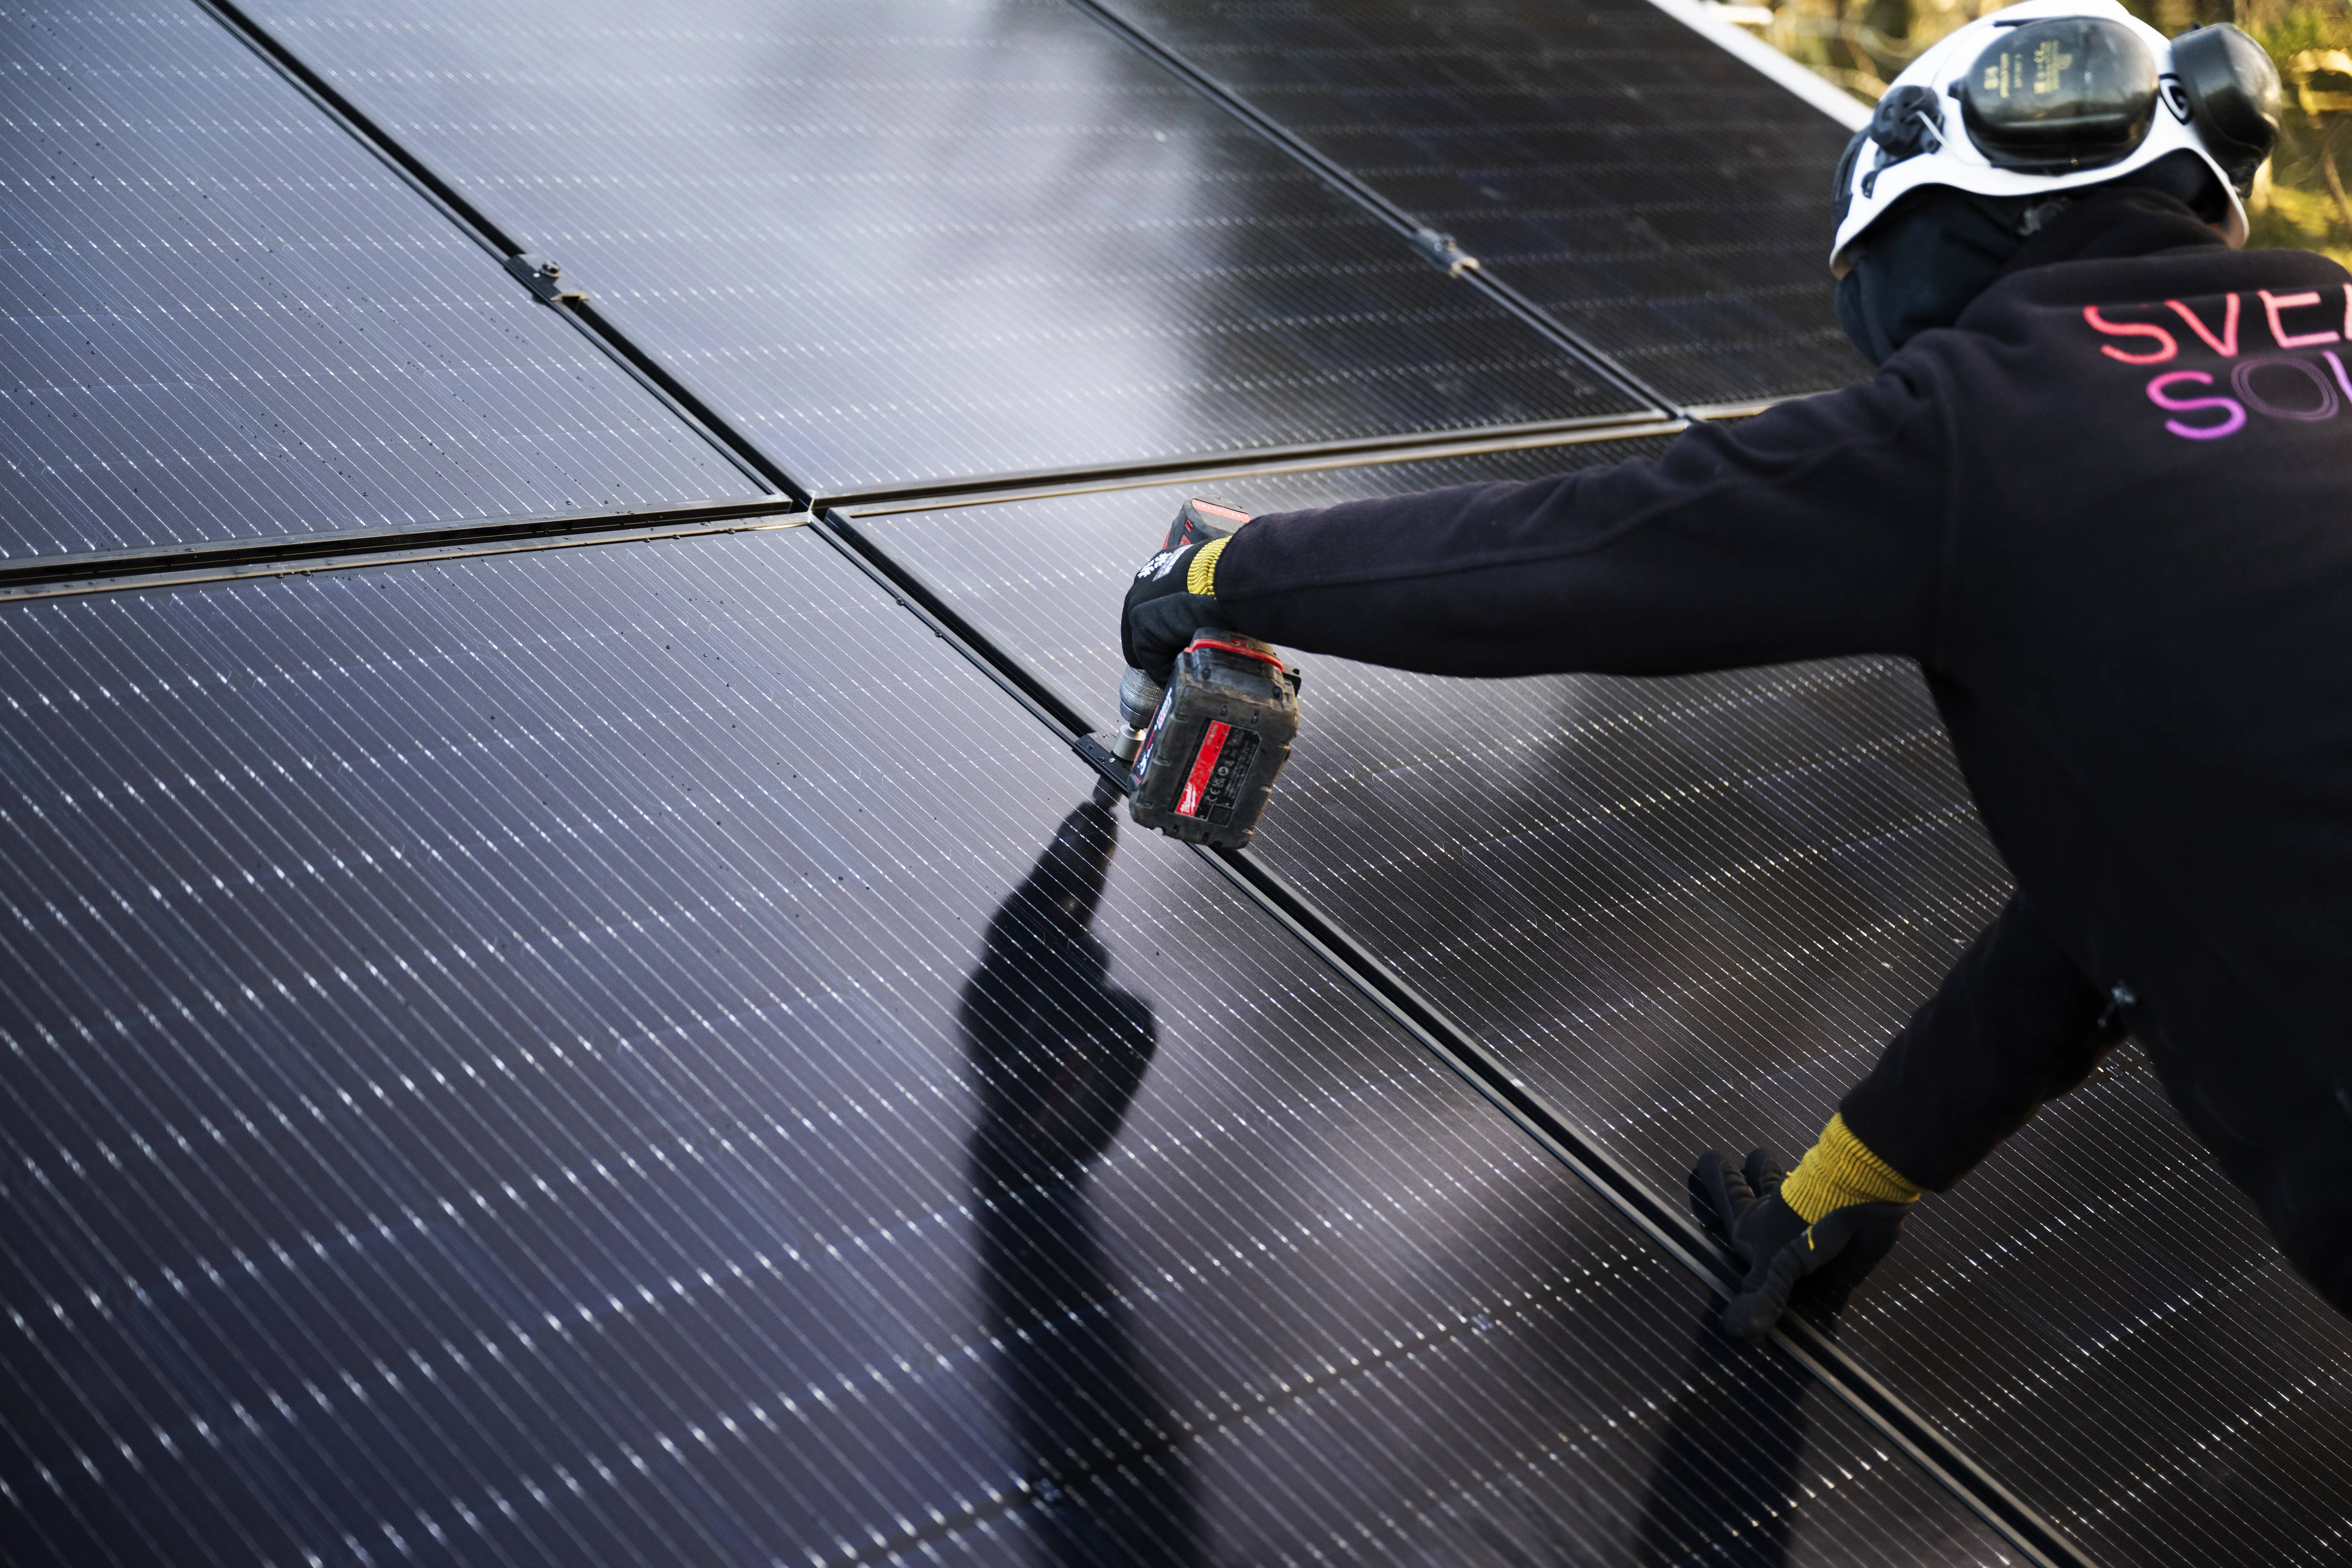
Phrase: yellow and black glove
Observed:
(1822, 1227)
(1174, 595)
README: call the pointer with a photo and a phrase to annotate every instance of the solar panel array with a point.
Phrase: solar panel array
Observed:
(656, 1051)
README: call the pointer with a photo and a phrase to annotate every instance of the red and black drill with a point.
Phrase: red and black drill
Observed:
(1201, 754)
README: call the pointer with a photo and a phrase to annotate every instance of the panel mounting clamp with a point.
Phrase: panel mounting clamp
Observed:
(544, 278)
(1447, 251)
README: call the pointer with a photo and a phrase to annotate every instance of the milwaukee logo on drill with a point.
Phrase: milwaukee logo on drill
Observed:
(2292, 387)
(1218, 768)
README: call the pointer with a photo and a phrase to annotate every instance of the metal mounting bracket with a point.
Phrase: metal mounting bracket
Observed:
(1447, 251)
(544, 278)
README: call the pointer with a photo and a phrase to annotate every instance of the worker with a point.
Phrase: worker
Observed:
(2101, 490)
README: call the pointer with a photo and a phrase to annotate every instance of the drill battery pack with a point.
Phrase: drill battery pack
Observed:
(1222, 732)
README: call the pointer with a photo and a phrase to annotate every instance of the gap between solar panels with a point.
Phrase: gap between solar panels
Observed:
(89, 572)
(85, 572)
(1250, 465)
(1662, 1219)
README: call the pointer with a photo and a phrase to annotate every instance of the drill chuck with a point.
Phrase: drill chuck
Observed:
(1138, 700)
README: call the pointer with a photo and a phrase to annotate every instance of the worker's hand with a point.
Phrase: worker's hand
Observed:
(1744, 1206)
(1162, 613)
(1175, 594)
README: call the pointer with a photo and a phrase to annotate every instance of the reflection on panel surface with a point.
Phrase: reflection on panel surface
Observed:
(1688, 912)
(222, 318)
(520, 1060)
(905, 240)
(1650, 189)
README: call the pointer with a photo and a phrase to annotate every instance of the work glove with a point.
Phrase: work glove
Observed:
(1827, 1258)
(1161, 614)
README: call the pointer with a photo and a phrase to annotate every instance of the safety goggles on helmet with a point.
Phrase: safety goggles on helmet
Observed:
(2052, 95)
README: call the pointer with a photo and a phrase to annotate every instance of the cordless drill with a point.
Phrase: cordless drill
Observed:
(1202, 752)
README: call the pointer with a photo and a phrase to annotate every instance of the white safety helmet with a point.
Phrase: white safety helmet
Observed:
(2051, 95)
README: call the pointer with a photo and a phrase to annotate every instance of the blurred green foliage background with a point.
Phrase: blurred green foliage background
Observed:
(2300, 198)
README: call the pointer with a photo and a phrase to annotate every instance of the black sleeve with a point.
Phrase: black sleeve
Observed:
(1813, 529)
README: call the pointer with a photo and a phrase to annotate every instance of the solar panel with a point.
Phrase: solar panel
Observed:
(1687, 912)
(222, 318)
(918, 240)
(640, 1054)
(1651, 190)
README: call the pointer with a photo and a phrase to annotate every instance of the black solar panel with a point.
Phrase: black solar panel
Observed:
(1653, 192)
(913, 240)
(640, 1055)
(222, 318)
(1688, 912)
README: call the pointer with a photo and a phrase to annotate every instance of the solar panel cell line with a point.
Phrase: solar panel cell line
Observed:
(640, 1054)
(1688, 912)
(1651, 190)
(222, 318)
(918, 240)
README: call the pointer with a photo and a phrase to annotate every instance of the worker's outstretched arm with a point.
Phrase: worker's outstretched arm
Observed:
(1817, 528)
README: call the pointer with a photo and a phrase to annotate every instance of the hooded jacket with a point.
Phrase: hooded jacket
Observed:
(2109, 512)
